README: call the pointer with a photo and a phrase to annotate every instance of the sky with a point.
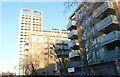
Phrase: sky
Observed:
(53, 17)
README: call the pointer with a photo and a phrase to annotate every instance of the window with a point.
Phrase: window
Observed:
(98, 55)
(30, 44)
(90, 16)
(93, 29)
(86, 46)
(35, 13)
(84, 34)
(38, 45)
(25, 12)
(33, 38)
(83, 24)
(88, 7)
(81, 14)
(21, 41)
(95, 42)
(85, 4)
(88, 31)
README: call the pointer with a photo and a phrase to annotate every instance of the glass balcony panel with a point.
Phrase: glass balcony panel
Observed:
(111, 55)
(103, 7)
(65, 41)
(115, 35)
(59, 41)
(70, 24)
(74, 64)
(73, 54)
(71, 33)
(106, 22)
(72, 43)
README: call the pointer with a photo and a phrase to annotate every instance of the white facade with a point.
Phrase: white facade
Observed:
(30, 21)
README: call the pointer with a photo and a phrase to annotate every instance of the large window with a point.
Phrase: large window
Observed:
(33, 38)
(96, 56)
(91, 18)
(87, 46)
(95, 44)
(84, 34)
(83, 24)
(81, 14)
(93, 29)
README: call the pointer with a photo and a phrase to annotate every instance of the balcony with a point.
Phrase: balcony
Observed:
(62, 42)
(73, 54)
(59, 42)
(72, 34)
(61, 54)
(71, 25)
(73, 44)
(104, 8)
(62, 47)
(111, 55)
(109, 38)
(65, 41)
(108, 24)
(74, 64)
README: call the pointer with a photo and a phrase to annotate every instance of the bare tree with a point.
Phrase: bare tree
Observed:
(61, 57)
(29, 65)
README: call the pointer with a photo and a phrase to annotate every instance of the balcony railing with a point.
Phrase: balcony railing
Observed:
(72, 43)
(62, 42)
(111, 37)
(61, 47)
(70, 24)
(71, 33)
(111, 55)
(62, 54)
(103, 7)
(65, 41)
(74, 64)
(106, 22)
(73, 54)
(59, 41)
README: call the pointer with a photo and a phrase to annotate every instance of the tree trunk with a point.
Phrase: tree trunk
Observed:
(86, 68)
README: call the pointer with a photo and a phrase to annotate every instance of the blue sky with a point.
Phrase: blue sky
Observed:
(53, 17)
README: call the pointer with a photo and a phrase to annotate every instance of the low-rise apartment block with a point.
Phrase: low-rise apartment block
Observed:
(97, 25)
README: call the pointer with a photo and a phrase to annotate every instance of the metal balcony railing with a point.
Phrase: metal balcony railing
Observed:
(111, 37)
(106, 22)
(71, 33)
(103, 7)
(70, 24)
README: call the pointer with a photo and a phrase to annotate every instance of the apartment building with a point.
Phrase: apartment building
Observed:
(51, 38)
(98, 37)
(34, 44)
(30, 21)
(60, 50)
